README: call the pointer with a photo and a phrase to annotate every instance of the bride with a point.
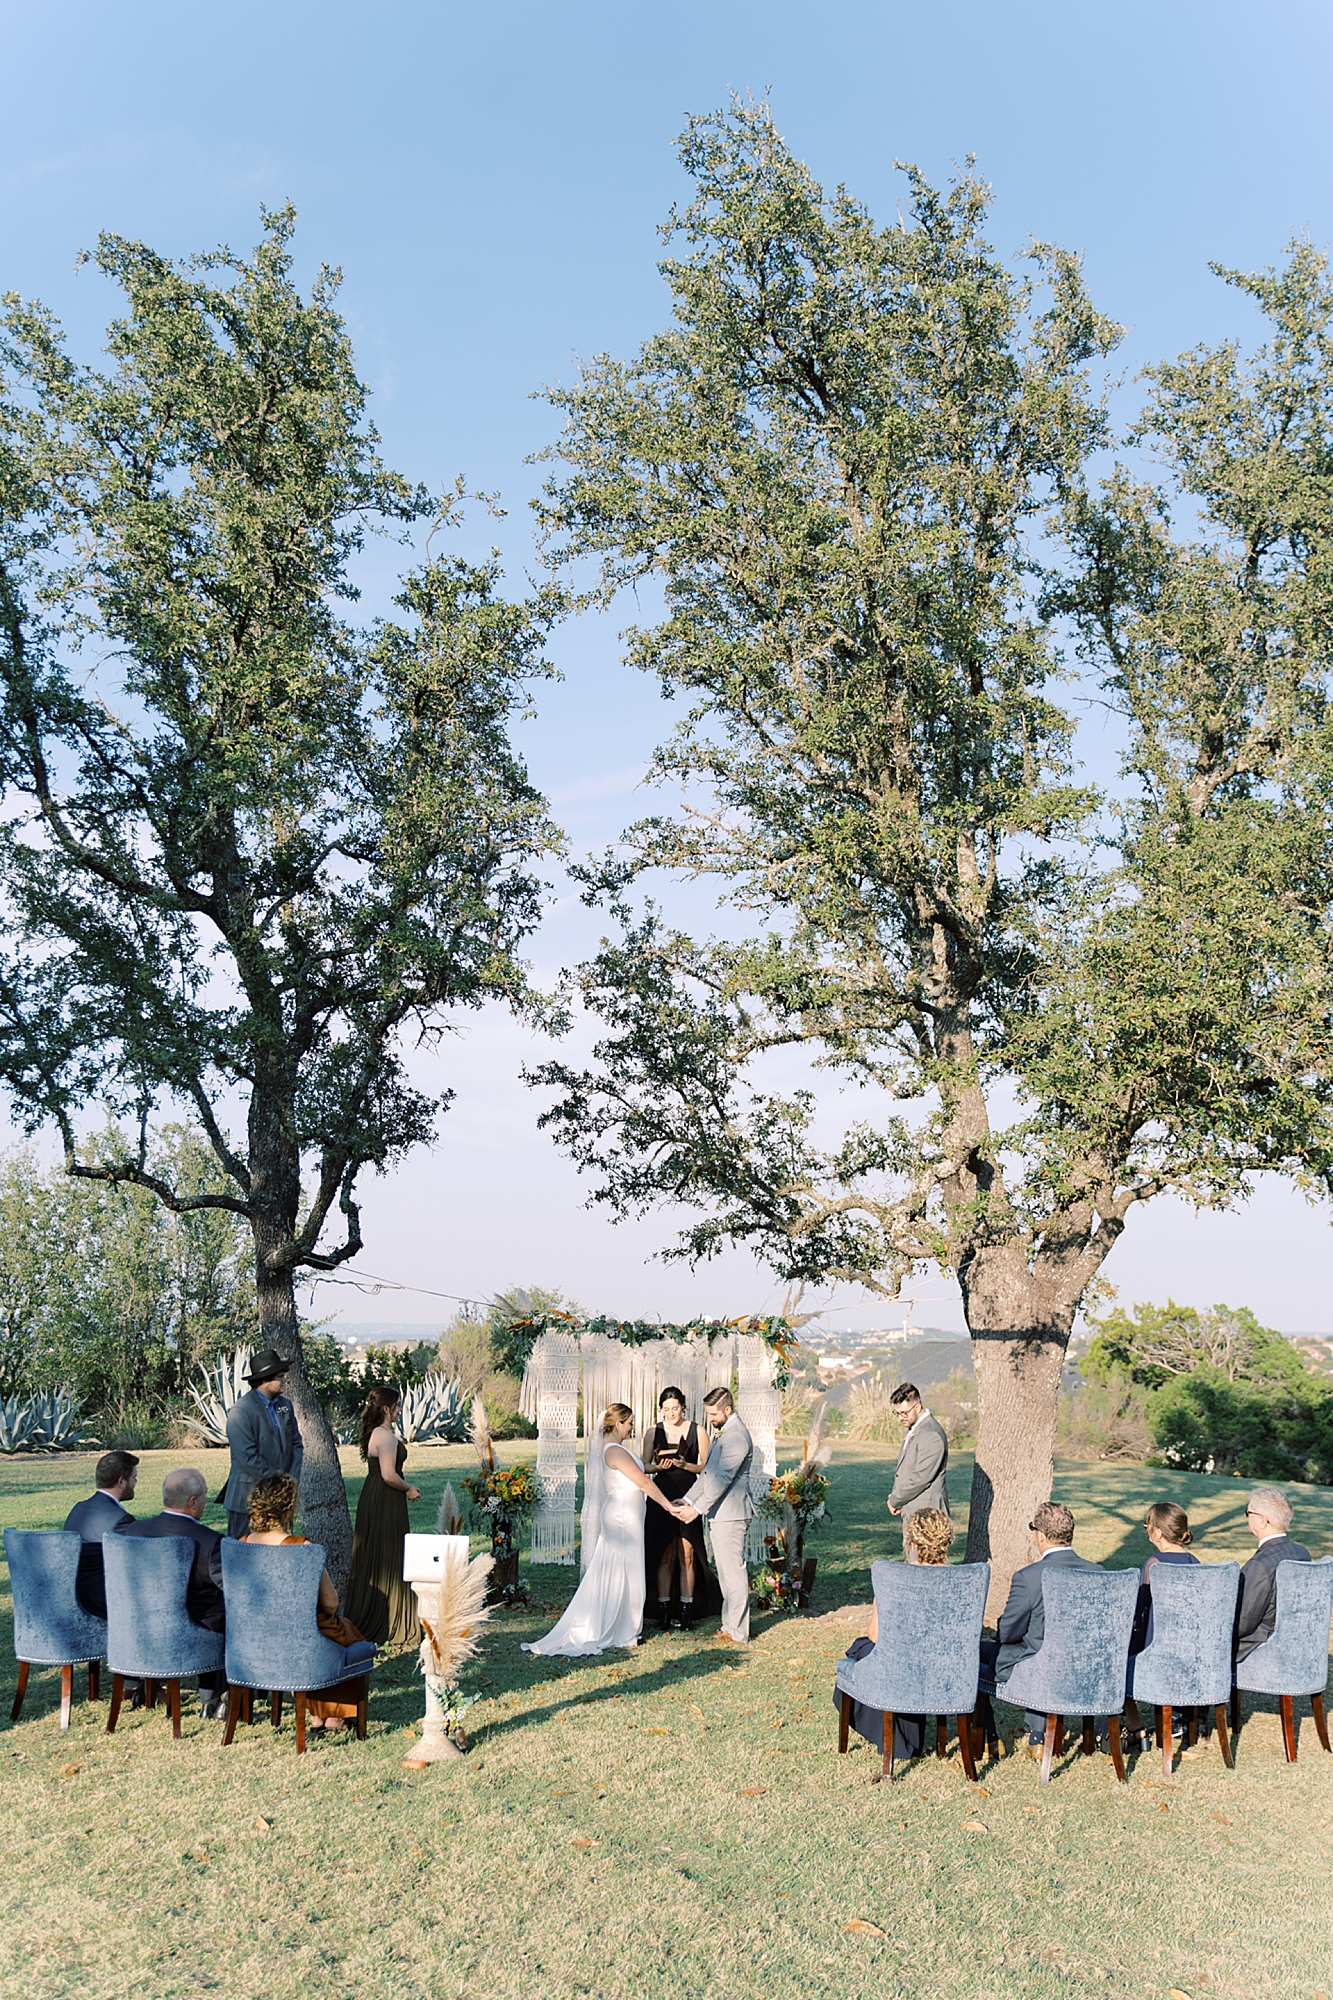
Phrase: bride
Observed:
(607, 1609)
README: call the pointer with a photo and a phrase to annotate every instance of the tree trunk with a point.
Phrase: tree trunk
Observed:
(1018, 1350)
(325, 1517)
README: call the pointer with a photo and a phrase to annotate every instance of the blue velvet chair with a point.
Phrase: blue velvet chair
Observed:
(273, 1640)
(1294, 1661)
(1188, 1664)
(926, 1658)
(1081, 1665)
(51, 1627)
(150, 1636)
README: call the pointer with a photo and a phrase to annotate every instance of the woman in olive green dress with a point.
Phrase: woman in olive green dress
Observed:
(378, 1601)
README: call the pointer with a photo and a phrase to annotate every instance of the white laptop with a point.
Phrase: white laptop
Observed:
(424, 1556)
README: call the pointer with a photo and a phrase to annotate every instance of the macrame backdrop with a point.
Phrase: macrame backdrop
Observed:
(551, 1392)
(608, 1377)
(615, 1372)
(758, 1405)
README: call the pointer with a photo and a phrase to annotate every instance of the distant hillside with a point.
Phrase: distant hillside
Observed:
(929, 1361)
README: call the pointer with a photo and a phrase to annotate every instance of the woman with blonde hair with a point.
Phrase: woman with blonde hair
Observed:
(272, 1511)
(926, 1538)
(607, 1607)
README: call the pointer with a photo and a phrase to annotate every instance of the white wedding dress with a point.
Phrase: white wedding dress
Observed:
(607, 1609)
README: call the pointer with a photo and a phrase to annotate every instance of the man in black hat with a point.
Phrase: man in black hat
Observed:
(263, 1435)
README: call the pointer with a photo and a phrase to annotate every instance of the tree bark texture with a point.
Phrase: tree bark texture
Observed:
(1018, 1351)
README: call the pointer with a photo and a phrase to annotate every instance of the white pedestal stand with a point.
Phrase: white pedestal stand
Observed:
(424, 1559)
(436, 1745)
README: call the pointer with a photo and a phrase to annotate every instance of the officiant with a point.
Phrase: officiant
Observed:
(677, 1576)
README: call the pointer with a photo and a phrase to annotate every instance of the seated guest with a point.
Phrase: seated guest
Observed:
(1268, 1516)
(100, 1514)
(926, 1538)
(272, 1511)
(1168, 1529)
(184, 1493)
(1022, 1624)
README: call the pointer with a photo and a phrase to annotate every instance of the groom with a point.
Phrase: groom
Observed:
(722, 1492)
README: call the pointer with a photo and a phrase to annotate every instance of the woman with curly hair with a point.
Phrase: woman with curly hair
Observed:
(272, 1511)
(926, 1538)
(377, 1598)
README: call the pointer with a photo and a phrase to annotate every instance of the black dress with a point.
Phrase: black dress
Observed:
(661, 1532)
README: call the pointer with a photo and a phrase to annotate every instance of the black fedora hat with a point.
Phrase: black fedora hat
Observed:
(265, 1366)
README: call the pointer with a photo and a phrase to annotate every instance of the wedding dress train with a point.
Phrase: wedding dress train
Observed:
(607, 1608)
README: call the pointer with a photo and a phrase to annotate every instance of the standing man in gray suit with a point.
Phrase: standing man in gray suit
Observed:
(722, 1493)
(923, 1459)
(264, 1438)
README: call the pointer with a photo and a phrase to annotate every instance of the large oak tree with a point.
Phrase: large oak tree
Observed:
(855, 468)
(247, 848)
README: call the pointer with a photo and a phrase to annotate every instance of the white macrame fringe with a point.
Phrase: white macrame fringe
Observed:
(758, 1405)
(553, 1370)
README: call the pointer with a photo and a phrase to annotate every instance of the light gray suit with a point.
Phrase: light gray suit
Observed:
(722, 1494)
(922, 1464)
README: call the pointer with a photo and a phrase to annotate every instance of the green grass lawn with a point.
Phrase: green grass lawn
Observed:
(670, 1822)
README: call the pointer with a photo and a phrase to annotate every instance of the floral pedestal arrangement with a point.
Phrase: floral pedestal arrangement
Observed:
(794, 1503)
(504, 1500)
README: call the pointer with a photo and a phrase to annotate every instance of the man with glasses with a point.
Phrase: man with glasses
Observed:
(1268, 1516)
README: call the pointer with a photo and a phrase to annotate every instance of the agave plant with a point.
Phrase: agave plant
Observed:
(50, 1422)
(56, 1424)
(223, 1386)
(434, 1411)
(15, 1423)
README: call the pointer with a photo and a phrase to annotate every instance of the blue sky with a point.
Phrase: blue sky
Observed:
(491, 179)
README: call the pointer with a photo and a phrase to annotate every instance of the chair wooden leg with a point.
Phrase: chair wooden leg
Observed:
(1235, 1711)
(275, 1708)
(1089, 1745)
(248, 1707)
(844, 1724)
(299, 1699)
(1164, 1736)
(1220, 1717)
(1192, 1732)
(66, 1693)
(886, 1766)
(233, 1714)
(1320, 1719)
(361, 1719)
(1048, 1750)
(94, 1680)
(1288, 1713)
(965, 1748)
(1117, 1758)
(941, 1737)
(21, 1690)
(150, 1694)
(174, 1707)
(117, 1696)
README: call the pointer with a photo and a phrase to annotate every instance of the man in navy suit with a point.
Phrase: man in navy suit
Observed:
(1022, 1624)
(1268, 1517)
(101, 1514)
(183, 1495)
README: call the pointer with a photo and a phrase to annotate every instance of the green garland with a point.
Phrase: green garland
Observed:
(777, 1333)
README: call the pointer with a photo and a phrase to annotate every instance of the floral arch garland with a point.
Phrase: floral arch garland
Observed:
(632, 1361)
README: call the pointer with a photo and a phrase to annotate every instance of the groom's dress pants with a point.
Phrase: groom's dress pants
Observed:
(729, 1555)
